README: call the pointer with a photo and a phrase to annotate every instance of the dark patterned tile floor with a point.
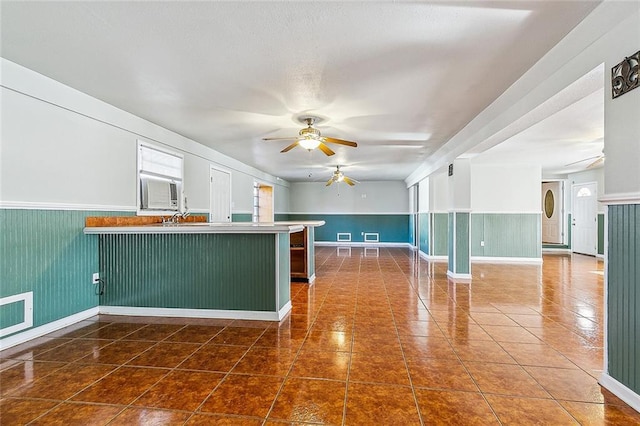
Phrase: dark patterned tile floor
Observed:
(375, 340)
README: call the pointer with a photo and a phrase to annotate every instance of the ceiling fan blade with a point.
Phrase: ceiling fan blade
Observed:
(339, 141)
(596, 163)
(583, 160)
(280, 139)
(329, 182)
(348, 181)
(322, 147)
(290, 147)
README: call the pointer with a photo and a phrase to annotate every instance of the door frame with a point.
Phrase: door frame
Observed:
(217, 168)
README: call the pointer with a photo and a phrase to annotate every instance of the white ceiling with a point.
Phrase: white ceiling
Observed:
(399, 78)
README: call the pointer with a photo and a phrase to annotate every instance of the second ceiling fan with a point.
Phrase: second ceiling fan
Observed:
(310, 138)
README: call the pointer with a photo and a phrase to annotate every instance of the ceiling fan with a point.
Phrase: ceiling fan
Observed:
(310, 138)
(338, 176)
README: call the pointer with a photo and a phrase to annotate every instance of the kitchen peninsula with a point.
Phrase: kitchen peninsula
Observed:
(198, 269)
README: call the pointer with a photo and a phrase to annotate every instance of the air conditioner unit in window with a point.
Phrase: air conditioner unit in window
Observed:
(159, 194)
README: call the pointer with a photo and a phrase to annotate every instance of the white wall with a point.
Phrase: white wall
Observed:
(423, 196)
(621, 115)
(439, 192)
(364, 197)
(505, 188)
(61, 148)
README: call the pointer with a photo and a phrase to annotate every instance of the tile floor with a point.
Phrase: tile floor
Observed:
(381, 339)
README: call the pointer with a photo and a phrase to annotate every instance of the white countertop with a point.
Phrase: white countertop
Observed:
(206, 228)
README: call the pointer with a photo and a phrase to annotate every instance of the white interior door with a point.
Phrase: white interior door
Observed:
(220, 196)
(584, 220)
(552, 199)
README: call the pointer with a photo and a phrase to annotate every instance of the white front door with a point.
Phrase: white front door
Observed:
(220, 196)
(584, 220)
(552, 198)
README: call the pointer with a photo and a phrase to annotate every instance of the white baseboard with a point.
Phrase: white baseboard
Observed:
(432, 258)
(556, 250)
(192, 313)
(495, 259)
(621, 391)
(36, 332)
(600, 256)
(284, 311)
(359, 244)
(312, 278)
(461, 278)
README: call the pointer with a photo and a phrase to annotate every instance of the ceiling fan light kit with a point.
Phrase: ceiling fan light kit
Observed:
(310, 138)
(338, 176)
(309, 143)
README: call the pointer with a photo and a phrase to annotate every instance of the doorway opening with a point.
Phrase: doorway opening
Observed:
(262, 202)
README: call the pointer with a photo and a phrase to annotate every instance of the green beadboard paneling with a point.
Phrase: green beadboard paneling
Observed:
(45, 252)
(423, 223)
(284, 275)
(506, 235)
(311, 264)
(281, 217)
(462, 261)
(200, 271)
(241, 217)
(391, 228)
(440, 233)
(11, 314)
(412, 224)
(450, 243)
(477, 234)
(600, 233)
(623, 303)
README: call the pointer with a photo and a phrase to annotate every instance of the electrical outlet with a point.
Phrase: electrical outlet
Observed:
(96, 277)
(481, 243)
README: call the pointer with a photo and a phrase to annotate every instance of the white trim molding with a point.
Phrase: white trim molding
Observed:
(29, 205)
(430, 258)
(620, 198)
(620, 390)
(33, 333)
(497, 259)
(461, 278)
(194, 313)
(27, 312)
(284, 311)
(359, 244)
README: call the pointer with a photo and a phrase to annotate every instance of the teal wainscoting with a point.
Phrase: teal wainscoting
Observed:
(440, 234)
(45, 252)
(600, 233)
(412, 224)
(199, 271)
(423, 223)
(248, 217)
(623, 302)
(450, 244)
(506, 235)
(11, 314)
(392, 228)
(458, 256)
(284, 275)
(311, 258)
(241, 217)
